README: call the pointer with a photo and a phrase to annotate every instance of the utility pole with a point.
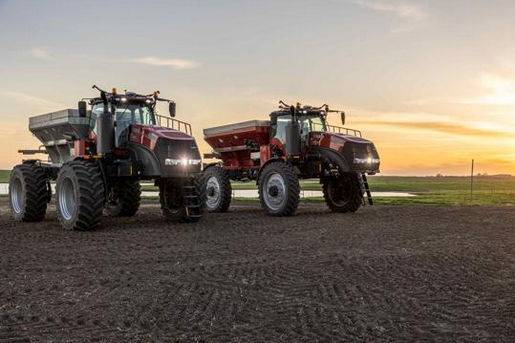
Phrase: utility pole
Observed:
(472, 182)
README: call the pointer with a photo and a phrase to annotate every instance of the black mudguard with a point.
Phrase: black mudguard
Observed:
(147, 158)
(332, 156)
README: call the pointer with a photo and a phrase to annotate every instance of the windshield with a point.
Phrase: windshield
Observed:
(126, 115)
(313, 123)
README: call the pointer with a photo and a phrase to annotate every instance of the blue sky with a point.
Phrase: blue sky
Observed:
(435, 76)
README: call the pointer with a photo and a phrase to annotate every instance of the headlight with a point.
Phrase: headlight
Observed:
(365, 161)
(181, 161)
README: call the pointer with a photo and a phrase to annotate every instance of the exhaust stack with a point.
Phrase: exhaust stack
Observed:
(105, 128)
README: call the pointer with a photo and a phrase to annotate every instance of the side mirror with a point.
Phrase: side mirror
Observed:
(83, 109)
(343, 117)
(171, 108)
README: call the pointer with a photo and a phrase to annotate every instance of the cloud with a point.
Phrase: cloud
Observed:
(33, 101)
(163, 62)
(501, 91)
(497, 90)
(445, 127)
(400, 9)
(176, 63)
(411, 16)
(41, 54)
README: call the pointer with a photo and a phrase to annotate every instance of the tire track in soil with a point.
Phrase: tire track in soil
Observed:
(383, 273)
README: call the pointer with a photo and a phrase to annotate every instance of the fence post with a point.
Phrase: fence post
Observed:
(472, 182)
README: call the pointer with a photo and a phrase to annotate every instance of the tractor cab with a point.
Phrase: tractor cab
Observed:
(297, 128)
(126, 109)
(309, 120)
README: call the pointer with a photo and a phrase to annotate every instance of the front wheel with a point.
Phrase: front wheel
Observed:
(123, 199)
(218, 189)
(80, 195)
(343, 193)
(183, 200)
(279, 189)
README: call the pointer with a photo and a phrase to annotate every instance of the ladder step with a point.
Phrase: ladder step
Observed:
(367, 189)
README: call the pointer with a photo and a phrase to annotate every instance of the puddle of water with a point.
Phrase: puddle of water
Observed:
(251, 193)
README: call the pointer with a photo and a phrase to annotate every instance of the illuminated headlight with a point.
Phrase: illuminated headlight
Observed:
(124, 99)
(148, 101)
(181, 161)
(365, 161)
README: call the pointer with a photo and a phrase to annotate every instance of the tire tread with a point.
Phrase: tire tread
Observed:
(36, 192)
(290, 177)
(356, 197)
(91, 195)
(225, 187)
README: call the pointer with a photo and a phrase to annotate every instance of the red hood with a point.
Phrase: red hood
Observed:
(148, 135)
(332, 140)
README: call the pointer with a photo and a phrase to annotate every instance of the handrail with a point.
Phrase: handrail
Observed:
(340, 129)
(175, 124)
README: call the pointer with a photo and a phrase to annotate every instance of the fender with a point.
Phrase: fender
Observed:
(147, 158)
(332, 156)
(212, 164)
(273, 159)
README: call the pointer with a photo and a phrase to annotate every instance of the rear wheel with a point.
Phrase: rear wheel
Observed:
(28, 193)
(80, 195)
(123, 199)
(218, 189)
(279, 189)
(183, 199)
(343, 193)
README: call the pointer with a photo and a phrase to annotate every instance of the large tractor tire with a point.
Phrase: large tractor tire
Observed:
(343, 194)
(123, 199)
(279, 189)
(183, 200)
(80, 195)
(218, 188)
(29, 193)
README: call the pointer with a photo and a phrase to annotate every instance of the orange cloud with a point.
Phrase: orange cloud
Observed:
(451, 128)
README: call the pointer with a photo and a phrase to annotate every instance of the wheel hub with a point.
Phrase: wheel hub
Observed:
(213, 192)
(67, 201)
(275, 194)
(273, 191)
(17, 195)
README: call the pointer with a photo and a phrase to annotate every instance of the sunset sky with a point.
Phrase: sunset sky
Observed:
(432, 83)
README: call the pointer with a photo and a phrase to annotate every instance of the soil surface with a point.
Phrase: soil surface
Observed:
(381, 274)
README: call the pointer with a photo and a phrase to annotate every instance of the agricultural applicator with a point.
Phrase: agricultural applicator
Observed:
(99, 155)
(296, 143)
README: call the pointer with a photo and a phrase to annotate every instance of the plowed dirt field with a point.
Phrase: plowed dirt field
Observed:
(381, 274)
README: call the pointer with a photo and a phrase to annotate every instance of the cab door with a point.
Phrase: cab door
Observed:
(278, 130)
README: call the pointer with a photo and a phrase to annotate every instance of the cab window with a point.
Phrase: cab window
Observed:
(310, 124)
(279, 129)
(124, 115)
